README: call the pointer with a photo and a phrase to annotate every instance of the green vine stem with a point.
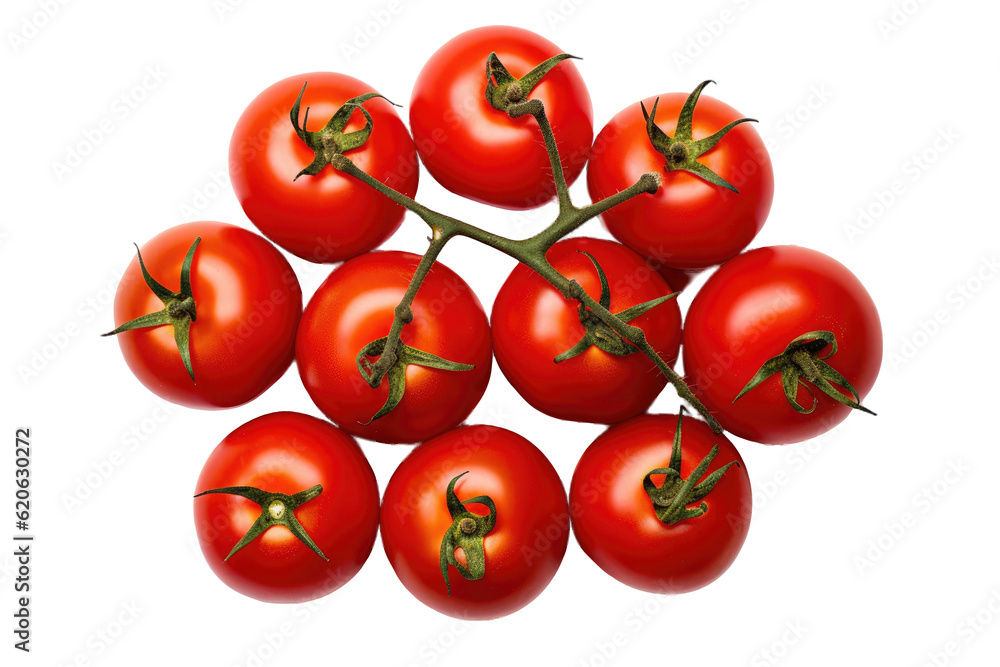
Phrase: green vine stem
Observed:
(530, 251)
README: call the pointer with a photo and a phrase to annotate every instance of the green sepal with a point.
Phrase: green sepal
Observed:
(331, 139)
(471, 542)
(671, 499)
(501, 90)
(267, 519)
(599, 334)
(179, 308)
(405, 356)
(681, 151)
(800, 363)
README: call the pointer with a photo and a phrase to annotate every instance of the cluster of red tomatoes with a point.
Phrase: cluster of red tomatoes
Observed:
(780, 344)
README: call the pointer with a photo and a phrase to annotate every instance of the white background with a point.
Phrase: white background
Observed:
(848, 95)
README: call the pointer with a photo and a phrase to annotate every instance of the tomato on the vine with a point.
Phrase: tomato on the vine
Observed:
(781, 343)
(286, 508)
(327, 216)
(479, 152)
(354, 307)
(633, 516)
(693, 220)
(214, 326)
(475, 522)
(533, 325)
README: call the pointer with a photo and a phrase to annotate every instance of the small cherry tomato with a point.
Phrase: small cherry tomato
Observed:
(475, 522)
(286, 508)
(218, 319)
(634, 517)
(478, 151)
(534, 326)
(781, 343)
(328, 216)
(691, 221)
(354, 307)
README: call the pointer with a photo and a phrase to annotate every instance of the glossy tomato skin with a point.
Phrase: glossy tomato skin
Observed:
(688, 223)
(614, 520)
(355, 306)
(288, 452)
(530, 501)
(533, 323)
(328, 217)
(677, 279)
(749, 310)
(481, 153)
(248, 305)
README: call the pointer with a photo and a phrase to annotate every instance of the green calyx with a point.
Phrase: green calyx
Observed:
(600, 334)
(277, 509)
(331, 141)
(503, 90)
(681, 151)
(467, 533)
(179, 309)
(404, 356)
(800, 363)
(671, 499)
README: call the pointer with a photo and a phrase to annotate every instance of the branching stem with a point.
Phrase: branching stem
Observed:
(530, 251)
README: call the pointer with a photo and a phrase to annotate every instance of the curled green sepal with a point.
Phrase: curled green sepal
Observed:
(671, 499)
(467, 533)
(801, 362)
(600, 334)
(681, 151)
(277, 509)
(178, 308)
(405, 356)
(331, 139)
(503, 89)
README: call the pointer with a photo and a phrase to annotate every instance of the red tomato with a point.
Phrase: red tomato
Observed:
(520, 552)
(677, 279)
(328, 217)
(355, 306)
(688, 223)
(481, 153)
(533, 324)
(749, 311)
(248, 305)
(616, 523)
(287, 453)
